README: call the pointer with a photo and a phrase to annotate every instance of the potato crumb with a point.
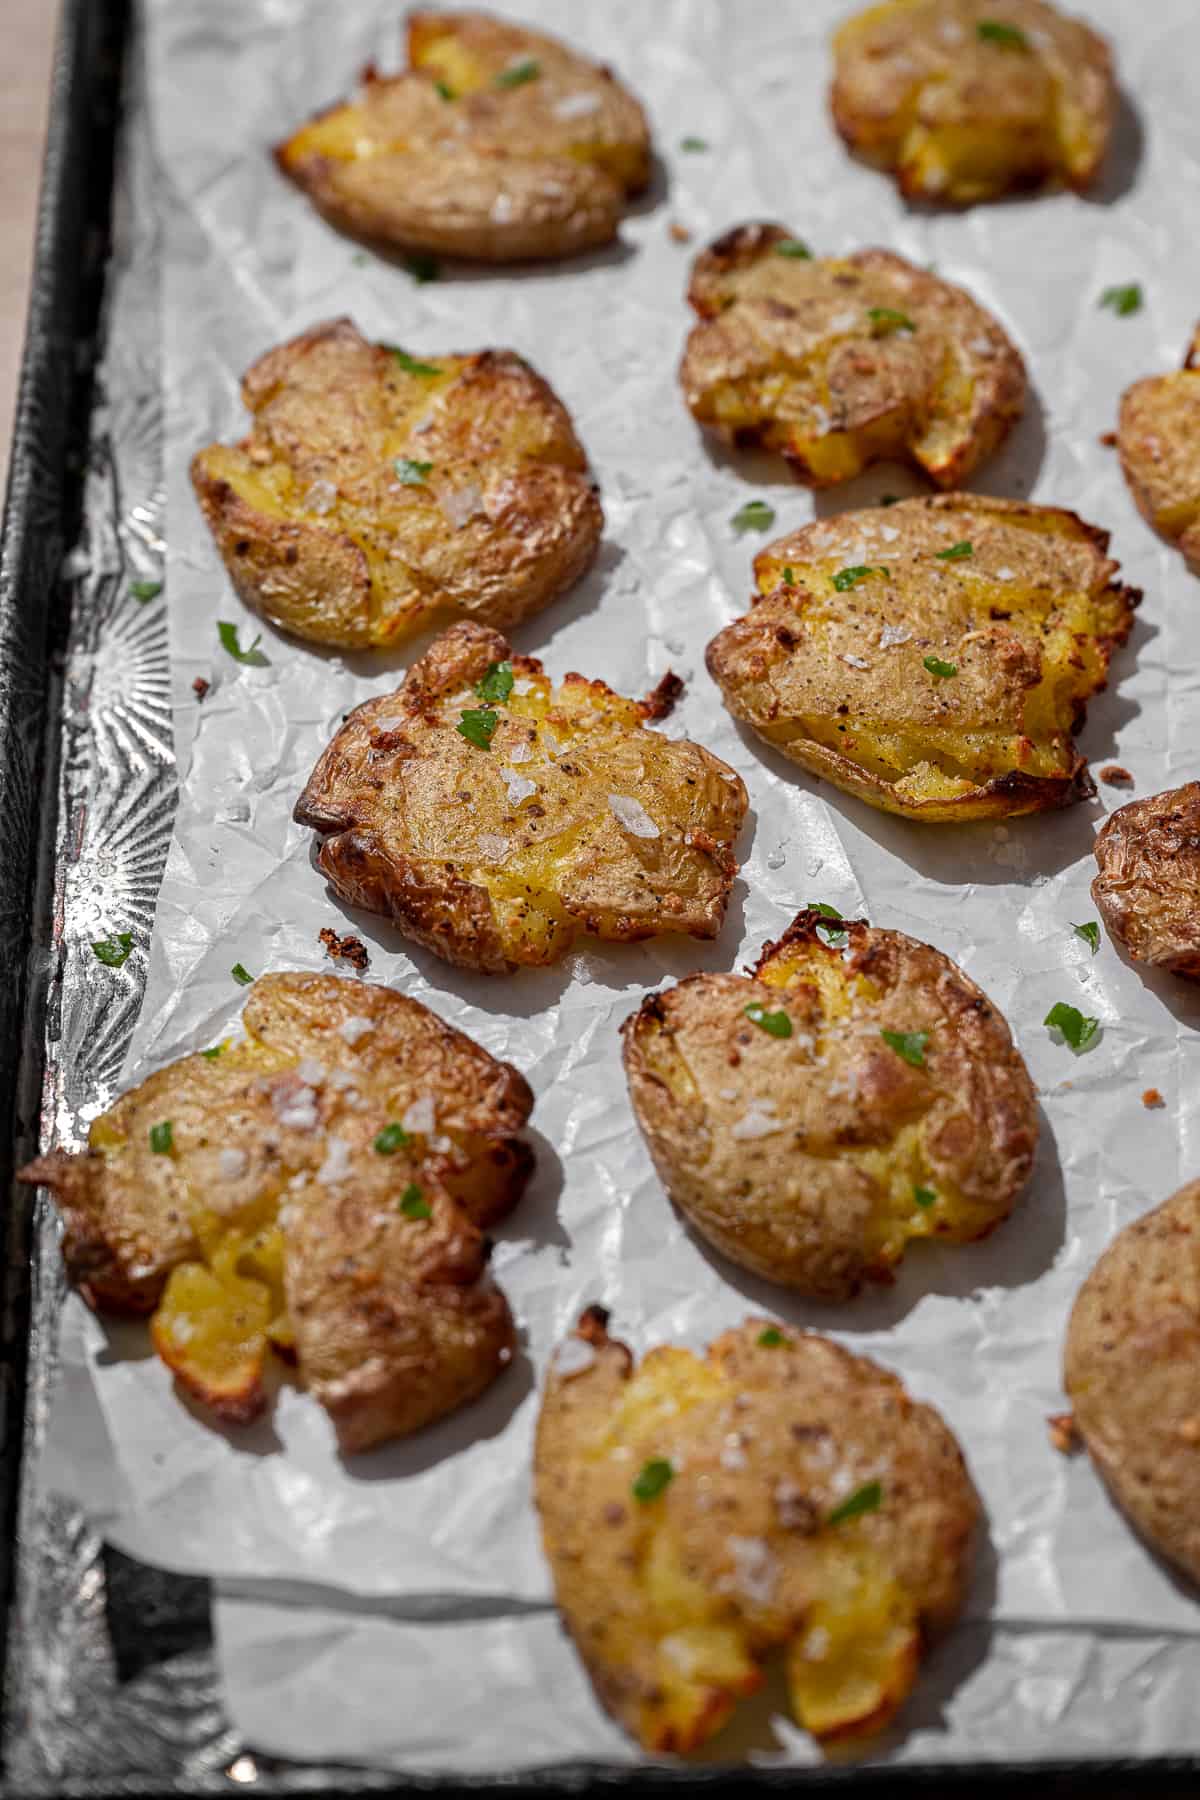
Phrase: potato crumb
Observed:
(1116, 776)
(679, 233)
(1064, 1434)
(1151, 1098)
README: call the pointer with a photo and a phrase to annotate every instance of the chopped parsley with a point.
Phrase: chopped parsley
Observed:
(943, 670)
(392, 1138)
(886, 319)
(907, 1044)
(228, 635)
(756, 515)
(413, 1203)
(445, 90)
(212, 1054)
(410, 365)
(1123, 300)
(528, 69)
(795, 248)
(1077, 1030)
(771, 1338)
(924, 1196)
(145, 590)
(856, 572)
(655, 1475)
(994, 31)
(162, 1138)
(360, 259)
(478, 726)
(863, 1500)
(241, 975)
(113, 951)
(1090, 933)
(423, 267)
(775, 1024)
(833, 935)
(497, 683)
(956, 552)
(694, 145)
(410, 473)
(789, 575)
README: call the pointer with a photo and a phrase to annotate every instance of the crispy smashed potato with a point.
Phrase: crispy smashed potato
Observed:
(778, 1494)
(804, 1145)
(935, 657)
(497, 143)
(1159, 443)
(1148, 888)
(838, 362)
(493, 816)
(1132, 1371)
(319, 1188)
(378, 490)
(965, 100)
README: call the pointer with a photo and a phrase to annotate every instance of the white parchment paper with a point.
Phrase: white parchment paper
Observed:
(444, 1524)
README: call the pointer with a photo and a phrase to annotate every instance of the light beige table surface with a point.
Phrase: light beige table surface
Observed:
(26, 37)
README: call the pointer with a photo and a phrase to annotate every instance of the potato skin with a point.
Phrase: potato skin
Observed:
(391, 1319)
(958, 117)
(1158, 438)
(320, 535)
(811, 357)
(477, 167)
(1132, 1355)
(1148, 887)
(838, 681)
(435, 832)
(674, 1602)
(799, 1157)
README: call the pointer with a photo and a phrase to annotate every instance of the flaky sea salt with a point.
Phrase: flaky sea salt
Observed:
(632, 816)
(493, 846)
(232, 1163)
(757, 1121)
(573, 1357)
(519, 786)
(336, 1166)
(421, 1116)
(576, 106)
(355, 1028)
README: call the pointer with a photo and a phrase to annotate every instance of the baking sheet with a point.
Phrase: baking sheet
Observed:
(444, 1526)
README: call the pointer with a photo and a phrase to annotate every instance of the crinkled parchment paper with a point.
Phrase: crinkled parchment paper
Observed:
(333, 1570)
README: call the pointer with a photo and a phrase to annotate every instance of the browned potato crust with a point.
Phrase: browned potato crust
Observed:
(1132, 1372)
(965, 100)
(838, 362)
(272, 1216)
(807, 1149)
(945, 680)
(379, 491)
(1148, 888)
(808, 1507)
(497, 143)
(570, 817)
(1159, 442)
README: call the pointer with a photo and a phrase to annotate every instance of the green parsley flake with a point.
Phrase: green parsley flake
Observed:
(145, 590)
(241, 975)
(410, 473)
(834, 935)
(1077, 1030)
(850, 577)
(212, 1054)
(478, 726)
(497, 683)
(518, 74)
(360, 259)
(410, 365)
(886, 319)
(907, 1044)
(956, 552)
(228, 635)
(423, 267)
(392, 1138)
(943, 670)
(113, 951)
(771, 1338)
(1123, 300)
(924, 1196)
(994, 31)
(756, 515)
(655, 1476)
(693, 145)
(445, 90)
(775, 1024)
(162, 1138)
(1090, 933)
(413, 1203)
(795, 248)
(789, 575)
(863, 1500)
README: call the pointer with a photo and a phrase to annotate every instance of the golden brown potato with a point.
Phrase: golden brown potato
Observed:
(1132, 1373)
(494, 817)
(837, 362)
(497, 143)
(379, 491)
(319, 1187)
(1159, 441)
(801, 1141)
(1148, 888)
(776, 1494)
(965, 100)
(934, 657)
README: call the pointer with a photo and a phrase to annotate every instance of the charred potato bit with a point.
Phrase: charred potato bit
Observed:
(837, 362)
(803, 1142)
(965, 100)
(318, 1187)
(1159, 443)
(1132, 1373)
(934, 658)
(493, 817)
(777, 1494)
(497, 143)
(378, 490)
(1148, 888)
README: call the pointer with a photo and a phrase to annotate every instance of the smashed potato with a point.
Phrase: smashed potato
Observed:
(858, 1092)
(838, 362)
(1158, 438)
(1148, 888)
(965, 100)
(934, 657)
(1132, 1372)
(778, 1494)
(497, 143)
(493, 816)
(378, 491)
(319, 1188)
